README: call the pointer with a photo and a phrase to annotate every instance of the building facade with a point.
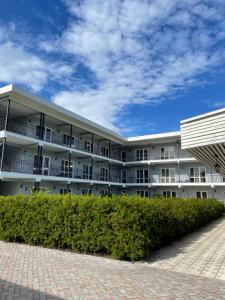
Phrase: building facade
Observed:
(44, 146)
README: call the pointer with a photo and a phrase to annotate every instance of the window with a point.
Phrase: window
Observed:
(123, 176)
(104, 151)
(88, 146)
(142, 176)
(142, 154)
(197, 174)
(86, 192)
(169, 194)
(66, 140)
(167, 152)
(123, 156)
(167, 175)
(65, 170)
(142, 193)
(104, 174)
(64, 191)
(87, 171)
(202, 195)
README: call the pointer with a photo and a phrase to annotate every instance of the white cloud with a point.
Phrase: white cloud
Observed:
(139, 52)
(217, 103)
(19, 65)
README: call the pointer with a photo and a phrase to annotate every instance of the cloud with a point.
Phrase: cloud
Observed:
(20, 65)
(217, 103)
(139, 52)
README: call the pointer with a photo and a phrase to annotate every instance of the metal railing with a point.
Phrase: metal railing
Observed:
(53, 137)
(30, 167)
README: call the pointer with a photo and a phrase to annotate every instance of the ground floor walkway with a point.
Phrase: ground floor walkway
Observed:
(192, 268)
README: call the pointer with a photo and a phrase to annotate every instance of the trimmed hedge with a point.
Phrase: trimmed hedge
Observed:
(122, 227)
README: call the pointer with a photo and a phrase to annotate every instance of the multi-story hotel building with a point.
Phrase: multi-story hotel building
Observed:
(42, 145)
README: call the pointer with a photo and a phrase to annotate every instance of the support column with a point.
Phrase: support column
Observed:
(109, 179)
(109, 148)
(42, 126)
(69, 167)
(92, 143)
(39, 159)
(71, 135)
(6, 126)
(92, 168)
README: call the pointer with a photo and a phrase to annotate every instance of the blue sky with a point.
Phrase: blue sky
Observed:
(137, 67)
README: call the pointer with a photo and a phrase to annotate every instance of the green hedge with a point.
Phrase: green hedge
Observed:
(123, 227)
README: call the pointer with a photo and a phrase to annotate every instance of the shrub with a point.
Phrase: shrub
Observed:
(121, 226)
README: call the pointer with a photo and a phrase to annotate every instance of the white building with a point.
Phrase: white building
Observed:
(45, 146)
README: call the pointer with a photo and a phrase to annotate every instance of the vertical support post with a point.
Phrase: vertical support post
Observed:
(109, 178)
(92, 143)
(69, 167)
(211, 175)
(7, 114)
(149, 177)
(92, 168)
(71, 135)
(179, 172)
(6, 126)
(39, 160)
(109, 148)
(2, 153)
(178, 149)
(42, 126)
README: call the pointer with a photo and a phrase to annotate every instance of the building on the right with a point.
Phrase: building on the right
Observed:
(204, 137)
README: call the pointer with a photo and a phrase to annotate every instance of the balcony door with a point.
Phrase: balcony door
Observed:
(142, 176)
(87, 171)
(167, 175)
(44, 162)
(197, 174)
(65, 169)
(104, 174)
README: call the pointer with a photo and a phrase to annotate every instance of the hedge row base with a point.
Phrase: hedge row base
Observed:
(121, 226)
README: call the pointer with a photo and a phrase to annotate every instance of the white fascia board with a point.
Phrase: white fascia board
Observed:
(202, 116)
(58, 112)
(54, 110)
(155, 137)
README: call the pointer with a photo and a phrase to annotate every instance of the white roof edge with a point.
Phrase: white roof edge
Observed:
(214, 112)
(13, 88)
(155, 136)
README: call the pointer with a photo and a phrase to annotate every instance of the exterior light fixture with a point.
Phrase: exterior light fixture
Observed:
(217, 166)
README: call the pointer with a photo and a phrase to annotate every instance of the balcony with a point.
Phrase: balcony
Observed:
(53, 137)
(29, 167)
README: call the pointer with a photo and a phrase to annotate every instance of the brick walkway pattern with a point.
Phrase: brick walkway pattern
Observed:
(28, 272)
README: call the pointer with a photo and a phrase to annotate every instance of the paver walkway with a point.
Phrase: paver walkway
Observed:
(37, 273)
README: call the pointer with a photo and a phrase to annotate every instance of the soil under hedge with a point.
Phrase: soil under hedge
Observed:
(123, 227)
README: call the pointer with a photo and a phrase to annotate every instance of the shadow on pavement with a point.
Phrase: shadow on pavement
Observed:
(180, 246)
(10, 290)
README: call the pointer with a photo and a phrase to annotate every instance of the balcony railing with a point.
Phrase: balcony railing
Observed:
(29, 167)
(53, 137)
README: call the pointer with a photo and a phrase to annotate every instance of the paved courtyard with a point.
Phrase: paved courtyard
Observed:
(192, 268)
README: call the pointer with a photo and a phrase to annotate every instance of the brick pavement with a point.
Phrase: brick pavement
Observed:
(28, 272)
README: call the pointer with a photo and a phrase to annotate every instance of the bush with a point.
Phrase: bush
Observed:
(123, 227)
